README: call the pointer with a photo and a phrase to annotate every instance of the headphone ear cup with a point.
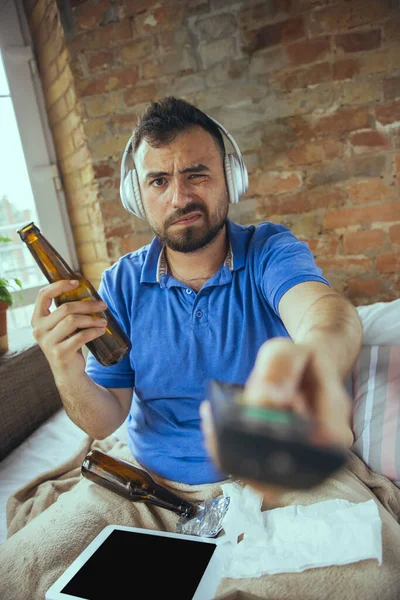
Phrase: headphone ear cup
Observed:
(234, 178)
(136, 194)
(130, 194)
(126, 192)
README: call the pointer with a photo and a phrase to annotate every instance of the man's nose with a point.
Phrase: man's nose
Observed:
(180, 194)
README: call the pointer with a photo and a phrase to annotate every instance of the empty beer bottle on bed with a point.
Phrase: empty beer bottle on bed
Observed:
(113, 345)
(132, 483)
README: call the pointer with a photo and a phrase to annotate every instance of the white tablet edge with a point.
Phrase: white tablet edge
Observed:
(207, 585)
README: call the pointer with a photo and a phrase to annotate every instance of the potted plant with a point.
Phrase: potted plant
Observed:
(6, 300)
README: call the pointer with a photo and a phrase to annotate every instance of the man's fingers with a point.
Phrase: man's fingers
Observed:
(62, 352)
(290, 376)
(46, 295)
(277, 374)
(73, 323)
(44, 321)
(71, 311)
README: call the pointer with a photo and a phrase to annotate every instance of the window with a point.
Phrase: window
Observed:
(29, 183)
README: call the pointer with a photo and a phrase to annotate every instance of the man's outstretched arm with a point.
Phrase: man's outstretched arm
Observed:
(316, 315)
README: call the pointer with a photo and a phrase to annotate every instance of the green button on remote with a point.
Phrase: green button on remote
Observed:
(268, 414)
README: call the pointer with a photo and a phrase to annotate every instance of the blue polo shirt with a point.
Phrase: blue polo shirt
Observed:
(181, 339)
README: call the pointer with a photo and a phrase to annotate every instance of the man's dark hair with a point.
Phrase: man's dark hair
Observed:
(165, 119)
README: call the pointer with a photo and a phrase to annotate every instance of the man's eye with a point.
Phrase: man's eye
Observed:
(158, 182)
(196, 175)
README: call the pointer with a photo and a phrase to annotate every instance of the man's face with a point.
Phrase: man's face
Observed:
(183, 189)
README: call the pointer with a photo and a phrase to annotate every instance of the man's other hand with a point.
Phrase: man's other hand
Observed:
(288, 376)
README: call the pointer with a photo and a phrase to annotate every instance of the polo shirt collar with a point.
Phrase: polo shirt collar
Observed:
(155, 264)
(238, 242)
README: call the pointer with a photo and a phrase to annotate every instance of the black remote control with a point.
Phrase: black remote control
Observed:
(269, 445)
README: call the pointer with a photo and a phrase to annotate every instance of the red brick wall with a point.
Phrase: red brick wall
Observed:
(73, 154)
(310, 89)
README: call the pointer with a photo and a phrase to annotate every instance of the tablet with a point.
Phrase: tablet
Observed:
(133, 562)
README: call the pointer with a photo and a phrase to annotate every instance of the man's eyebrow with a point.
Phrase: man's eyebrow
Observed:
(195, 169)
(199, 168)
(155, 174)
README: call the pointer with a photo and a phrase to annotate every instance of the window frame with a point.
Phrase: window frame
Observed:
(29, 106)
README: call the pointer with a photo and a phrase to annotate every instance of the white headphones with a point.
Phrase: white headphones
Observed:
(235, 173)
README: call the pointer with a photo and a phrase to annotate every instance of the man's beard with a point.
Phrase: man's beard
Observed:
(192, 237)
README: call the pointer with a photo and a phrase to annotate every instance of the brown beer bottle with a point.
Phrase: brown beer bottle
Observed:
(132, 483)
(113, 345)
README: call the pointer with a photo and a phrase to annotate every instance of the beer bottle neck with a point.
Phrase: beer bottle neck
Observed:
(52, 265)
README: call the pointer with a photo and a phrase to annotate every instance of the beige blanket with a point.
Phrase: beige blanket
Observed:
(48, 528)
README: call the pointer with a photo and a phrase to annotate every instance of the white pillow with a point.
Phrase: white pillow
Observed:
(376, 409)
(381, 323)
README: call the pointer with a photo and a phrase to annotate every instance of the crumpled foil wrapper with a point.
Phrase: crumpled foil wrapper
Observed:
(207, 522)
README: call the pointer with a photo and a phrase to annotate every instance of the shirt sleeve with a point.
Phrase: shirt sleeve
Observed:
(120, 375)
(285, 262)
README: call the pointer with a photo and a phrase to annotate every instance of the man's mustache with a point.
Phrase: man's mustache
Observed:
(182, 212)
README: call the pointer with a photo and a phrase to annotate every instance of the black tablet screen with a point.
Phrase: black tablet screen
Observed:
(136, 565)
